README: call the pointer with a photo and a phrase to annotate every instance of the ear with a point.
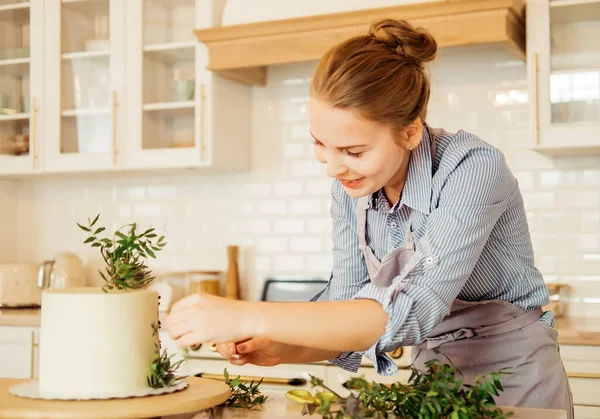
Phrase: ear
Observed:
(414, 133)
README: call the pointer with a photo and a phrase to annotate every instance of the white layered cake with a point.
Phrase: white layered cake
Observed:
(96, 344)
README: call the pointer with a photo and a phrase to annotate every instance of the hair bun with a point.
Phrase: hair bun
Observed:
(415, 44)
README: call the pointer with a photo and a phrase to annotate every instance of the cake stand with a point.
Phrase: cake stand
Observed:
(200, 394)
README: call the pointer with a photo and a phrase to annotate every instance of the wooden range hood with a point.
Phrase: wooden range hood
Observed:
(243, 52)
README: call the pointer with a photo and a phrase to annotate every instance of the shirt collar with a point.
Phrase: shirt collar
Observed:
(417, 188)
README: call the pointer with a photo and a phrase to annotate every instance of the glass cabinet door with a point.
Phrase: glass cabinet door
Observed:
(567, 34)
(167, 115)
(21, 72)
(86, 65)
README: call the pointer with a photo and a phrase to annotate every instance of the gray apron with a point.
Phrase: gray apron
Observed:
(481, 337)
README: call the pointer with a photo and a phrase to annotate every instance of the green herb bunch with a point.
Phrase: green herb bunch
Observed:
(243, 396)
(436, 393)
(124, 255)
(162, 368)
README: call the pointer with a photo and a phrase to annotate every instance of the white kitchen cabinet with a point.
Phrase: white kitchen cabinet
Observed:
(564, 76)
(120, 86)
(21, 85)
(587, 412)
(84, 82)
(17, 352)
(179, 114)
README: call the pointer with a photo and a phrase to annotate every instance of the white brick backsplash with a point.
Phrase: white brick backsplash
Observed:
(583, 199)
(553, 179)
(147, 210)
(307, 168)
(289, 226)
(322, 225)
(319, 187)
(286, 263)
(269, 207)
(560, 223)
(591, 177)
(279, 210)
(293, 151)
(300, 131)
(537, 200)
(259, 226)
(272, 245)
(161, 192)
(320, 263)
(590, 222)
(289, 188)
(262, 263)
(306, 244)
(525, 179)
(258, 189)
(305, 206)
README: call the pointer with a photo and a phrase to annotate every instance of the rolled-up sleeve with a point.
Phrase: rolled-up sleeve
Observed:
(349, 273)
(474, 196)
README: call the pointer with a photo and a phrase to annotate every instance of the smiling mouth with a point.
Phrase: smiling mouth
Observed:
(351, 183)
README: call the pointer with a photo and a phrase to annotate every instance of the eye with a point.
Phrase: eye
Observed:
(353, 154)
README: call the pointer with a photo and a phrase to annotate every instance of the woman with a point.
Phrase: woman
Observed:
(431, 243)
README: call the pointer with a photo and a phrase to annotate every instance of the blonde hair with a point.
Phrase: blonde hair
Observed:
(381, 75)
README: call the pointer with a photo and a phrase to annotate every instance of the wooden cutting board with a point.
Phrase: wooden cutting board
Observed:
(201, 394)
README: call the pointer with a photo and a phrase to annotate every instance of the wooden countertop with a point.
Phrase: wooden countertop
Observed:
(278, 406)
(571, 330)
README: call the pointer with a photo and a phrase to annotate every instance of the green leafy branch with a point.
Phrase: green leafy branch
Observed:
(433, 394)
(124, 255)
(243, 396)
(162, 368)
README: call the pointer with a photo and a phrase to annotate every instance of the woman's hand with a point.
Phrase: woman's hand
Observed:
(261, 352)
(202, 318)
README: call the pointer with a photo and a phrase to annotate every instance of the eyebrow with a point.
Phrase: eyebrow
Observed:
(340, 148)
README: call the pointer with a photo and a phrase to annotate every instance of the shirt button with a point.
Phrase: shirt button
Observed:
(429, 260)
(394, 224)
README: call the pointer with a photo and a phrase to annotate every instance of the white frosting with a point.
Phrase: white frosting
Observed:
(96, 343)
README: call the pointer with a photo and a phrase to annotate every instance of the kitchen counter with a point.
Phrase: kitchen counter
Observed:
(28, 317)
(571, 330)
(277, 407)
(280, 407)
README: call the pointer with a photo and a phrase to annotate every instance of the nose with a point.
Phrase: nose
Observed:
(334, 166)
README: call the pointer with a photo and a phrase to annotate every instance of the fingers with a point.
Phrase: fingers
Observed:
(186, 302)
(251, 345)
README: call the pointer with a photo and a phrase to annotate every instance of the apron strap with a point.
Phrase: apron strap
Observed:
(518, 322)
(361, 221)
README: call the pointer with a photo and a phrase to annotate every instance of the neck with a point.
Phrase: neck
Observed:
(393, 189)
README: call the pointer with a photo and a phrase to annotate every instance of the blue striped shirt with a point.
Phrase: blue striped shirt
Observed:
(471, 239)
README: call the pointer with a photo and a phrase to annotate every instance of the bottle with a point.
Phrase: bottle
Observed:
(232, 282)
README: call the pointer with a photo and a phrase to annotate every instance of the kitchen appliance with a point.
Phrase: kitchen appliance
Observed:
(65, 271)
(18, 285)
(293, 289)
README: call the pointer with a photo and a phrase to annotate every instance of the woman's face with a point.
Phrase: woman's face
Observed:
(364, 155)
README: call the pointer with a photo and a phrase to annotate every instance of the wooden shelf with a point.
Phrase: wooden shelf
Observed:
(15, 66)
(173, 52)
(242, 52)
(84, 112)
(171, 109)
(14, 117)
(79, 55)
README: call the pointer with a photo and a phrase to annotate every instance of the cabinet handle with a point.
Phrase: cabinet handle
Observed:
(114, 126)
(200, 99)
(534, 98)
(265, 380)
(33, 133)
